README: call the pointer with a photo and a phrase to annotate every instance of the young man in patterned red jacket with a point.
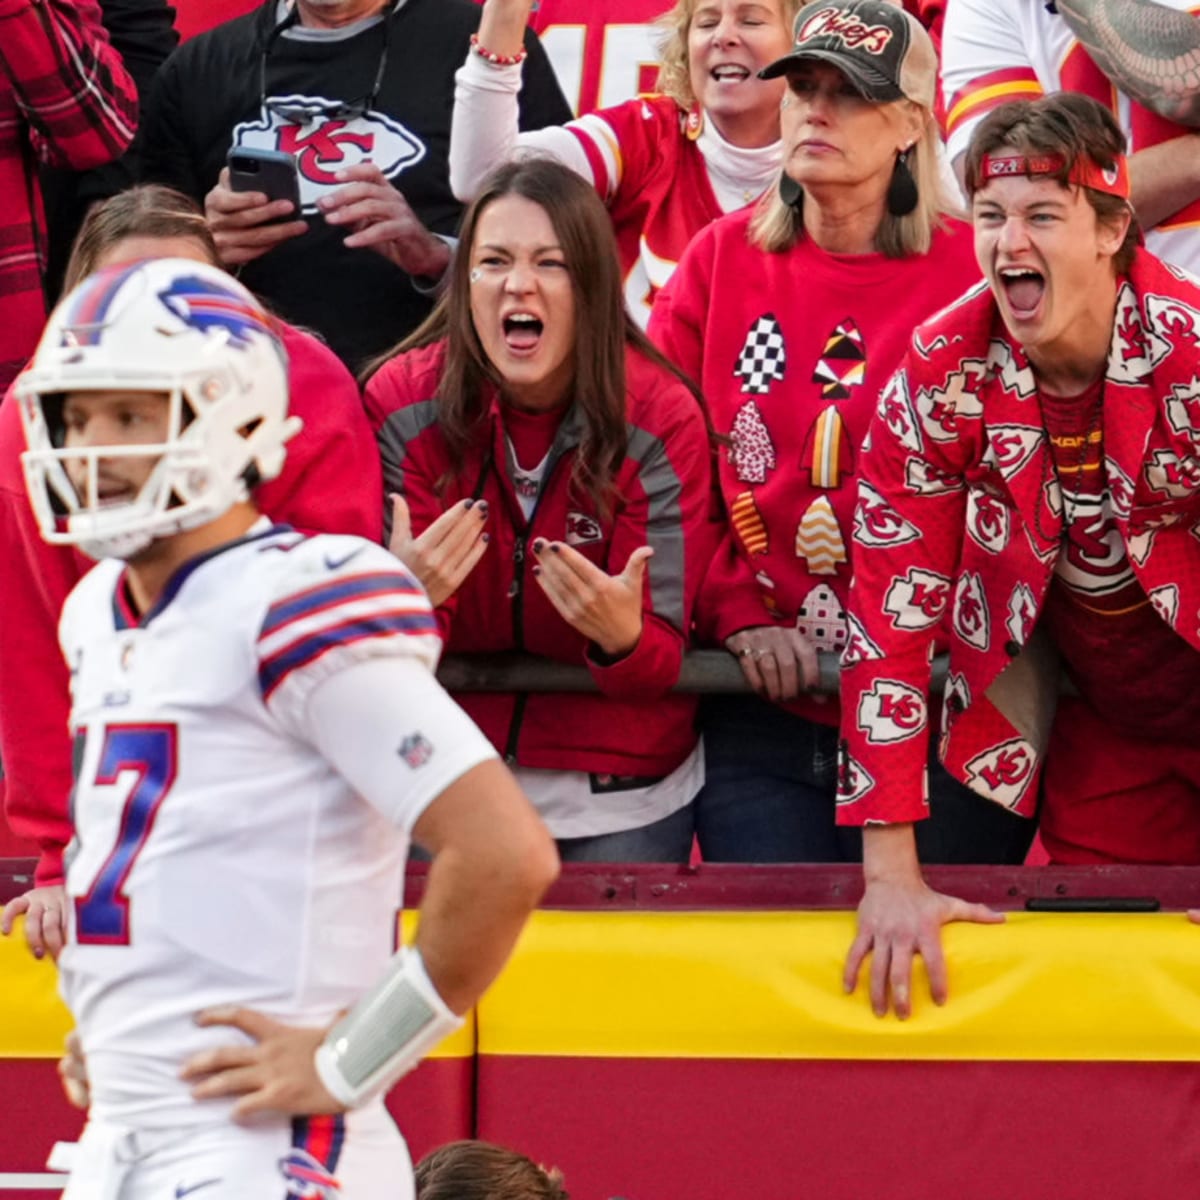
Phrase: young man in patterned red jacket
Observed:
(1032, 480)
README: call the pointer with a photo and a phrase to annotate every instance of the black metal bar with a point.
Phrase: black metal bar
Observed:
(702, 671)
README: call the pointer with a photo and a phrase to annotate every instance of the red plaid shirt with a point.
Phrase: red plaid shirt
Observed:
(959, 517)
(67, 100)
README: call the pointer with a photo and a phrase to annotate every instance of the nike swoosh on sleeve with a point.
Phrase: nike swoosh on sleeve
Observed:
(335, 564)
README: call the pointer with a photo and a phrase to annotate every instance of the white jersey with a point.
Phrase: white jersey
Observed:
(220, 855)
(993, 52)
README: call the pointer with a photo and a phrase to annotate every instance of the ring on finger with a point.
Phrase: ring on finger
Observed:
(745, 652)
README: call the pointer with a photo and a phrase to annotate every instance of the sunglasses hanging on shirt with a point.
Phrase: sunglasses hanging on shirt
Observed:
(296, 111)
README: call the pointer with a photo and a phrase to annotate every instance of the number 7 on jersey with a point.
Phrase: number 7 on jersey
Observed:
(150, 752)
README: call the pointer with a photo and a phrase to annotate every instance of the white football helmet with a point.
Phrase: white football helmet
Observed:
(164, 325)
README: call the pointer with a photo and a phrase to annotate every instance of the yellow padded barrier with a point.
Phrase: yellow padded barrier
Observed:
(768, 985)
(34, 1021)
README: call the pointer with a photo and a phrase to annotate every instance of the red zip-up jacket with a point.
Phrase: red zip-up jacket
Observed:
(65, 100)
(632, 727)
(329, 484)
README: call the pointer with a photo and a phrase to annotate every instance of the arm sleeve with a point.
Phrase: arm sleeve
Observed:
(68, 81)
(331, 477)
(391, 731)
(484, 128)
(984, 63)
(907, 545)
(341, 601)
(668, 512)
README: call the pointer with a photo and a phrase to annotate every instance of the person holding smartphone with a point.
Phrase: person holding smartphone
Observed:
(359, 94)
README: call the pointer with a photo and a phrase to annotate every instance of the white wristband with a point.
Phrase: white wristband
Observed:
(385, 1034)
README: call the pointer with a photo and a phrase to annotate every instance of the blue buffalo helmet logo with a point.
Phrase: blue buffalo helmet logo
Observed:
(205, 306)
(306, 1178)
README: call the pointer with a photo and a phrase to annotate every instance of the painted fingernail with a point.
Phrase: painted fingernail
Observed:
(486, 537)
(536, 569)
(554, 547)
(483, 508)
(469, 504)
(539, 544)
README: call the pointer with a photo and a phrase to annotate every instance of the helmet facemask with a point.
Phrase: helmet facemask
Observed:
(226, 391)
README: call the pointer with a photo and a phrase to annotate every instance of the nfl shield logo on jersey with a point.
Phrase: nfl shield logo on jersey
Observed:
(306, 1178)
(416, 750)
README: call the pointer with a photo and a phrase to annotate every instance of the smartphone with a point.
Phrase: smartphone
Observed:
(272, 172)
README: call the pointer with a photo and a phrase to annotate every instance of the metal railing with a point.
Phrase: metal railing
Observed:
(702, 671)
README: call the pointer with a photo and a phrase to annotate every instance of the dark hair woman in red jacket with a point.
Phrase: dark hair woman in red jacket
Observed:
(555, 471)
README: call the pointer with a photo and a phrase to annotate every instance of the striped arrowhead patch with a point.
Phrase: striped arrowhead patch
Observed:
(819, 540)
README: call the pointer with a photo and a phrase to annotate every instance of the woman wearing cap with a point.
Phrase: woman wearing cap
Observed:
(1058, 409)
(792, 317)
(665, 165)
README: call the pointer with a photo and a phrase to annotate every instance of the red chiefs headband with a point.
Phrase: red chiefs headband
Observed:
(1085, 171)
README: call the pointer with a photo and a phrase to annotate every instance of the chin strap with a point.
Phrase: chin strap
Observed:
(385, 1034)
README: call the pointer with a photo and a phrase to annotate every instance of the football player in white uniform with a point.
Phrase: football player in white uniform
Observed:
(258, 733)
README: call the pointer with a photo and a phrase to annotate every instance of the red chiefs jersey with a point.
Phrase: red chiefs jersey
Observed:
(604, 51)
(655, 183)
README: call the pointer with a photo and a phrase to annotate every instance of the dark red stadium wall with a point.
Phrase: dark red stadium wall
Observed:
(675, 1129)
(432, 1106)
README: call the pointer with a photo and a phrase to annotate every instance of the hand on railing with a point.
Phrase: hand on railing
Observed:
(900, 917)
(45, 912)
(779, 663)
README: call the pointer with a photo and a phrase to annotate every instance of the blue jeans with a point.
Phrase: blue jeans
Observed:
(770, 787)
(667, 841)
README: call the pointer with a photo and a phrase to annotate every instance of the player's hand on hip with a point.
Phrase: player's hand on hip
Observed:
(897, 921)
(275, 1073)
(606, 609)
(45, 913)
(445, 553)
(379, 218)
(72, 1072)
(778, 662)
(238, 221)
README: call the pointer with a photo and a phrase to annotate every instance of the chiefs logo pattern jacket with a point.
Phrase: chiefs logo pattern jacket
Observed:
(959, 519)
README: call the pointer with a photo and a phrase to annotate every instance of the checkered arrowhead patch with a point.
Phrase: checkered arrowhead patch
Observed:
(822, 620)
(763, 358)
(843, 363)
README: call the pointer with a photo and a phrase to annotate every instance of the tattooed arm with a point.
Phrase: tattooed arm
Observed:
(1151, 52)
